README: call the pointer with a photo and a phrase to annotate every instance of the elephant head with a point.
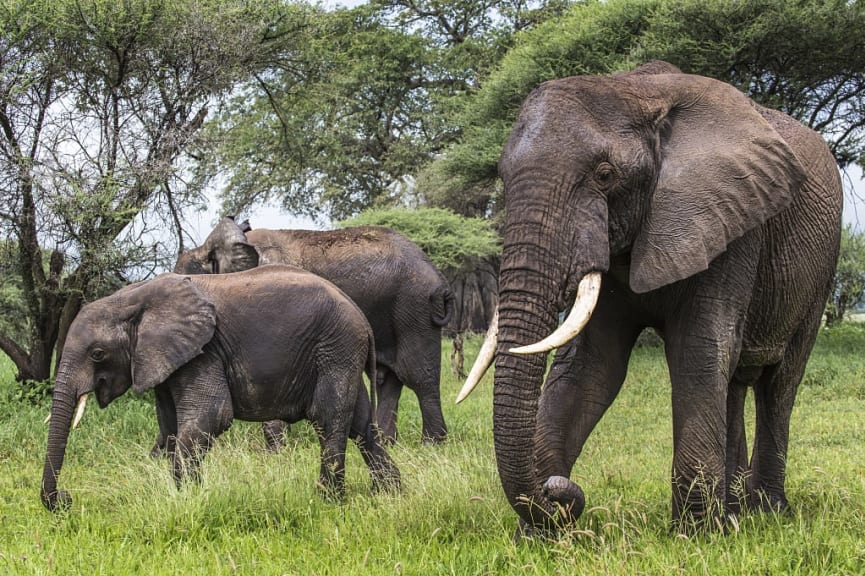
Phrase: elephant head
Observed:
(135, 338)
(648, 175)
(224, 250)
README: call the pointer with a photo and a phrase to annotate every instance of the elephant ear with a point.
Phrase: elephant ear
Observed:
(723, 171)
(228, 249)
(172, 322)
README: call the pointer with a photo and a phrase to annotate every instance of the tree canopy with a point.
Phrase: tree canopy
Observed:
(849, 283)
(100, 103)
(371, 97)
(806, 57)
(117, 118)
(450, 240)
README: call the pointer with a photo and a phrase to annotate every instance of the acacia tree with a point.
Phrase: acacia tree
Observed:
(370, 98)
(99, 103)
(805, 57)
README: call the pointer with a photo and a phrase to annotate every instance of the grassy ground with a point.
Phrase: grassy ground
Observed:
(256, 513)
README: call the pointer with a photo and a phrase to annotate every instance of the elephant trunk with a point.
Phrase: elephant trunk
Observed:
(62, 406)
(527, 314)
(547, 257)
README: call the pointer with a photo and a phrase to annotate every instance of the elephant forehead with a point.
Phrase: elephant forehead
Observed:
(558, 124)
(88, 321)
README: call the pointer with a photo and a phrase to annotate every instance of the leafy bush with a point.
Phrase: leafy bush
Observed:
(450, 240)
(849, 277)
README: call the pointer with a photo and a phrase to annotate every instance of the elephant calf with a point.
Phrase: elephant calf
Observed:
(272, 343)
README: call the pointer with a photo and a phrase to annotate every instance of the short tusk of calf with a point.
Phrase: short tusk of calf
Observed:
(484, 359)
(587, 297)
(79, 410)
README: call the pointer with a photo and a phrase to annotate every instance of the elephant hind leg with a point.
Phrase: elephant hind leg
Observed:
(331, 477)
(774, 395)
(389, 391)
(384, 472)
(738, 473)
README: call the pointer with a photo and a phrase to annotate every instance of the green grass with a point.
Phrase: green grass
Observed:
(257, 513)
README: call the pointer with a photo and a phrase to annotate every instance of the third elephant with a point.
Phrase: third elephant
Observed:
(403, 295)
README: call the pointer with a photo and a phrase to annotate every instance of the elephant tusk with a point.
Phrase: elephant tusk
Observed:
(47, 418)
(587, 297)
(79, 411)
(484, 359)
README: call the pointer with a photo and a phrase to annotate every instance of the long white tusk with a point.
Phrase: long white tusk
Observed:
(47, 419)
(484, 359)
(79, 411)
(587, 297)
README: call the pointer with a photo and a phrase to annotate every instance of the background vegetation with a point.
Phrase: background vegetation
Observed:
(256, 513)
(119, 119)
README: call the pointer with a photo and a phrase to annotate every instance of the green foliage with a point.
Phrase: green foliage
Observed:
(102, 102)
(450, 240)
(367, 97)
(13, 309)
(592, 38)
(259, 513)
(849, 284)
(804, 57)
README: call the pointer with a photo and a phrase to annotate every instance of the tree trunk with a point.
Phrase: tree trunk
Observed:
(475, 297)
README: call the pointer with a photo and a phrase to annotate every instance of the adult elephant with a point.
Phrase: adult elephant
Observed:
(657, 199)
(278, 342)
(403, 295)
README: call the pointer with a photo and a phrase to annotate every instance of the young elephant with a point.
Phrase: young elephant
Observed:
(272, 343)
(403, 295)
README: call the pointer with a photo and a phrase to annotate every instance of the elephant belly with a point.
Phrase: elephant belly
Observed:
(276, 398)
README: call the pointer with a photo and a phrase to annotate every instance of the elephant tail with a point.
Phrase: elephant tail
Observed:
(443, 305)
(371, 371)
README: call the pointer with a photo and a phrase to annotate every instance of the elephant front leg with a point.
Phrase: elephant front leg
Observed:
(583, 382)
(166, 416)
(699, 471)
(203, 412)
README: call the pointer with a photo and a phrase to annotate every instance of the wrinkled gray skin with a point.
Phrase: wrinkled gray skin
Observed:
(405, 298)
(713, 220)
(277, 342)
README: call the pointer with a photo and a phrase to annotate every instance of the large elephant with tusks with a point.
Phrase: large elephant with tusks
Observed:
(657, 199)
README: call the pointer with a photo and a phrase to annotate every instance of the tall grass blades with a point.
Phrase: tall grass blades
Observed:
(260, 513)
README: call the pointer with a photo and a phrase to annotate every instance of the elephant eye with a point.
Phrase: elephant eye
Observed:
(605, 175)
(97, 354)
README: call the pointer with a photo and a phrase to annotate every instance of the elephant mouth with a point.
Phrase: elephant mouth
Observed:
(103, 394)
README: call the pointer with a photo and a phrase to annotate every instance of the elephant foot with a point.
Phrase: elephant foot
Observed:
(158, 451)
(275, 433)
(439, 438)
(57, 500)
(386, 438)
(387, 481)
(772, 503)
